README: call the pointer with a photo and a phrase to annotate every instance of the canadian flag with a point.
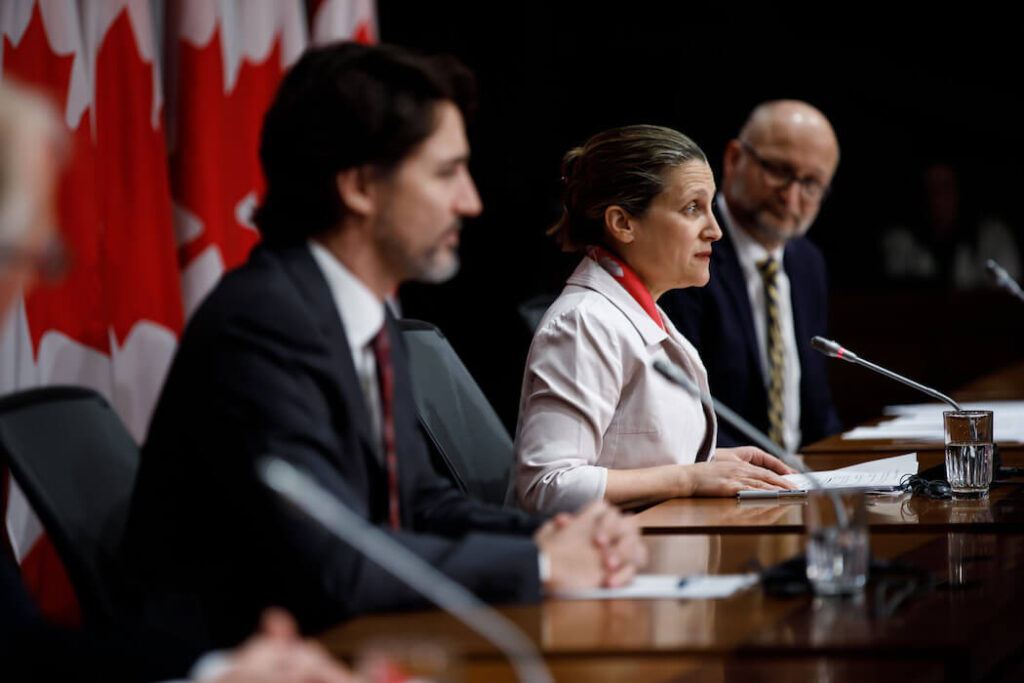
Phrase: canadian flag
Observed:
(112, 323)
(342, 20)
(225, 61)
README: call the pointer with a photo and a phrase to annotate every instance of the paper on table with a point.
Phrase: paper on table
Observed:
(849, 480)
(906, 462)
(879, 475)
(884, 473)
(923, 422)
(653, 586)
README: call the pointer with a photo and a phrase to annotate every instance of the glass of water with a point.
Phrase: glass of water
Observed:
(837, 544)
(968, 452)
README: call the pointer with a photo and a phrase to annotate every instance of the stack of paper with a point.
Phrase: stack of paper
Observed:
(653, 586)
(923, 422)
(885, 474)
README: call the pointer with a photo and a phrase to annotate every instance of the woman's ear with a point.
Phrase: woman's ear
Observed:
(619, 224)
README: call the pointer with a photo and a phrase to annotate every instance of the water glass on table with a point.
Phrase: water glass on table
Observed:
(837, 545)
(968, 452)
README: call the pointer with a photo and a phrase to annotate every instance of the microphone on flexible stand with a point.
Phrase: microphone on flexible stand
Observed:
(831, 348)
(302, 491)
(835, 350)
(674, 374)
(1003, 280)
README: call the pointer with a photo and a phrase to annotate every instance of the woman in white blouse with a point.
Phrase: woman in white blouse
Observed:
(595, 419)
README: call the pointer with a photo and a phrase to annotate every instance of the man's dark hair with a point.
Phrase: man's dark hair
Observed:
(341, 106)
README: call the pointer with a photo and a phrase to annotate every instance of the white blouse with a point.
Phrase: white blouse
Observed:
(592, 400)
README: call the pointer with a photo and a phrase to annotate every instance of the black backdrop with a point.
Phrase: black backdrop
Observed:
(551, 74)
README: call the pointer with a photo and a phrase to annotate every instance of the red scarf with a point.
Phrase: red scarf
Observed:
(629, 280)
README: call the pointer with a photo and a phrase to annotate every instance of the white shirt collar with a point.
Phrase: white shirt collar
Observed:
(749, 251)
(362, 313)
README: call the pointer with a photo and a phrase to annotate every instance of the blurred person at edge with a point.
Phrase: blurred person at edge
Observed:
(33, 148)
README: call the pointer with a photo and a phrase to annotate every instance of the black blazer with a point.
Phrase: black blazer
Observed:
(719, 322)
(32, 650)
(264, 367)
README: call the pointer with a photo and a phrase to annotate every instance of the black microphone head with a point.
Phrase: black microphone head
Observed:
(826, 346)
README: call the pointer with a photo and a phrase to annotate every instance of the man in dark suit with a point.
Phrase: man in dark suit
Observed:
(31, 144)
(295, 355)
(767, 296)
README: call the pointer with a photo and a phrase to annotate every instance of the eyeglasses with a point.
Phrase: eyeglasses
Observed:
(51, 263)
(781, 176)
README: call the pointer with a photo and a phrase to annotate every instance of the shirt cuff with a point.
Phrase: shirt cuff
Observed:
(543, 568)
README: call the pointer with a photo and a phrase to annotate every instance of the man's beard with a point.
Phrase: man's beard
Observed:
(434, 271)
(780, 235)
(433, 266)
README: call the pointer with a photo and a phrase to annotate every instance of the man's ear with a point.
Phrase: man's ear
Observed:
(357, 190)
(619, 224)
(733, 150)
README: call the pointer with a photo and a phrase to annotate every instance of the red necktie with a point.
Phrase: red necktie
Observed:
(382, 351)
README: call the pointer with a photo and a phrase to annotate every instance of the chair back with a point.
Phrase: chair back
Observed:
(76, 464)
(467, 436)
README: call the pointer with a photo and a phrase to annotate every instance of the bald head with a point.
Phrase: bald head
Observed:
(793, 119)
(776, 173)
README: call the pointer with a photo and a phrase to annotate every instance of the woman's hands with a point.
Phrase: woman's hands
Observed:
(736, 469)
(755, 456)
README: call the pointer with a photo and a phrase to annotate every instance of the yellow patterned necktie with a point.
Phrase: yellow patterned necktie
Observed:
(776, 361)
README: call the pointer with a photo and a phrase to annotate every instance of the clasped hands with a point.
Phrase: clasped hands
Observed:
(597, 547)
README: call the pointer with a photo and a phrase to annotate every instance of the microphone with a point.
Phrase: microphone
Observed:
(674, 374)
(1003, 280)
(834, 350)
(302, 491)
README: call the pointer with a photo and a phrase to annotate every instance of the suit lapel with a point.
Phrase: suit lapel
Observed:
(313, 289)
(798, 296)
(734, 283)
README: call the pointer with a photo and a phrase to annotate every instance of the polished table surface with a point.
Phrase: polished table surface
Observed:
(1002, 512)
(962, 620)
(958, 623)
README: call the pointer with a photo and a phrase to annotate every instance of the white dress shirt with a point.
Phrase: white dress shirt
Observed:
(362, 315)
(591, 399)
(750, 253)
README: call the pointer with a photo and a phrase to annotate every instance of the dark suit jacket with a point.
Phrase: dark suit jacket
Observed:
(718, 320)
(31, 650)
(264, 367)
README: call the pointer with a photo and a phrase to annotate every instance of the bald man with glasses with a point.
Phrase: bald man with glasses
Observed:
(767, 296)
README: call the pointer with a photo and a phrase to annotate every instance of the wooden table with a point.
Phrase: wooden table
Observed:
(963, 625)
(1002, 512)
(966, 622)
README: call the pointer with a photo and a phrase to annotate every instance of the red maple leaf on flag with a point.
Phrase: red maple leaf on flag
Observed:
(215, 166)
(136, 235)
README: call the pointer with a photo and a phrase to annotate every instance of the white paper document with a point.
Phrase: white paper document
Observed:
(923, 422)
(653, 586)
(884, 474)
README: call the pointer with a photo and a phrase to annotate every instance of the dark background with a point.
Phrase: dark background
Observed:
(553, 74)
